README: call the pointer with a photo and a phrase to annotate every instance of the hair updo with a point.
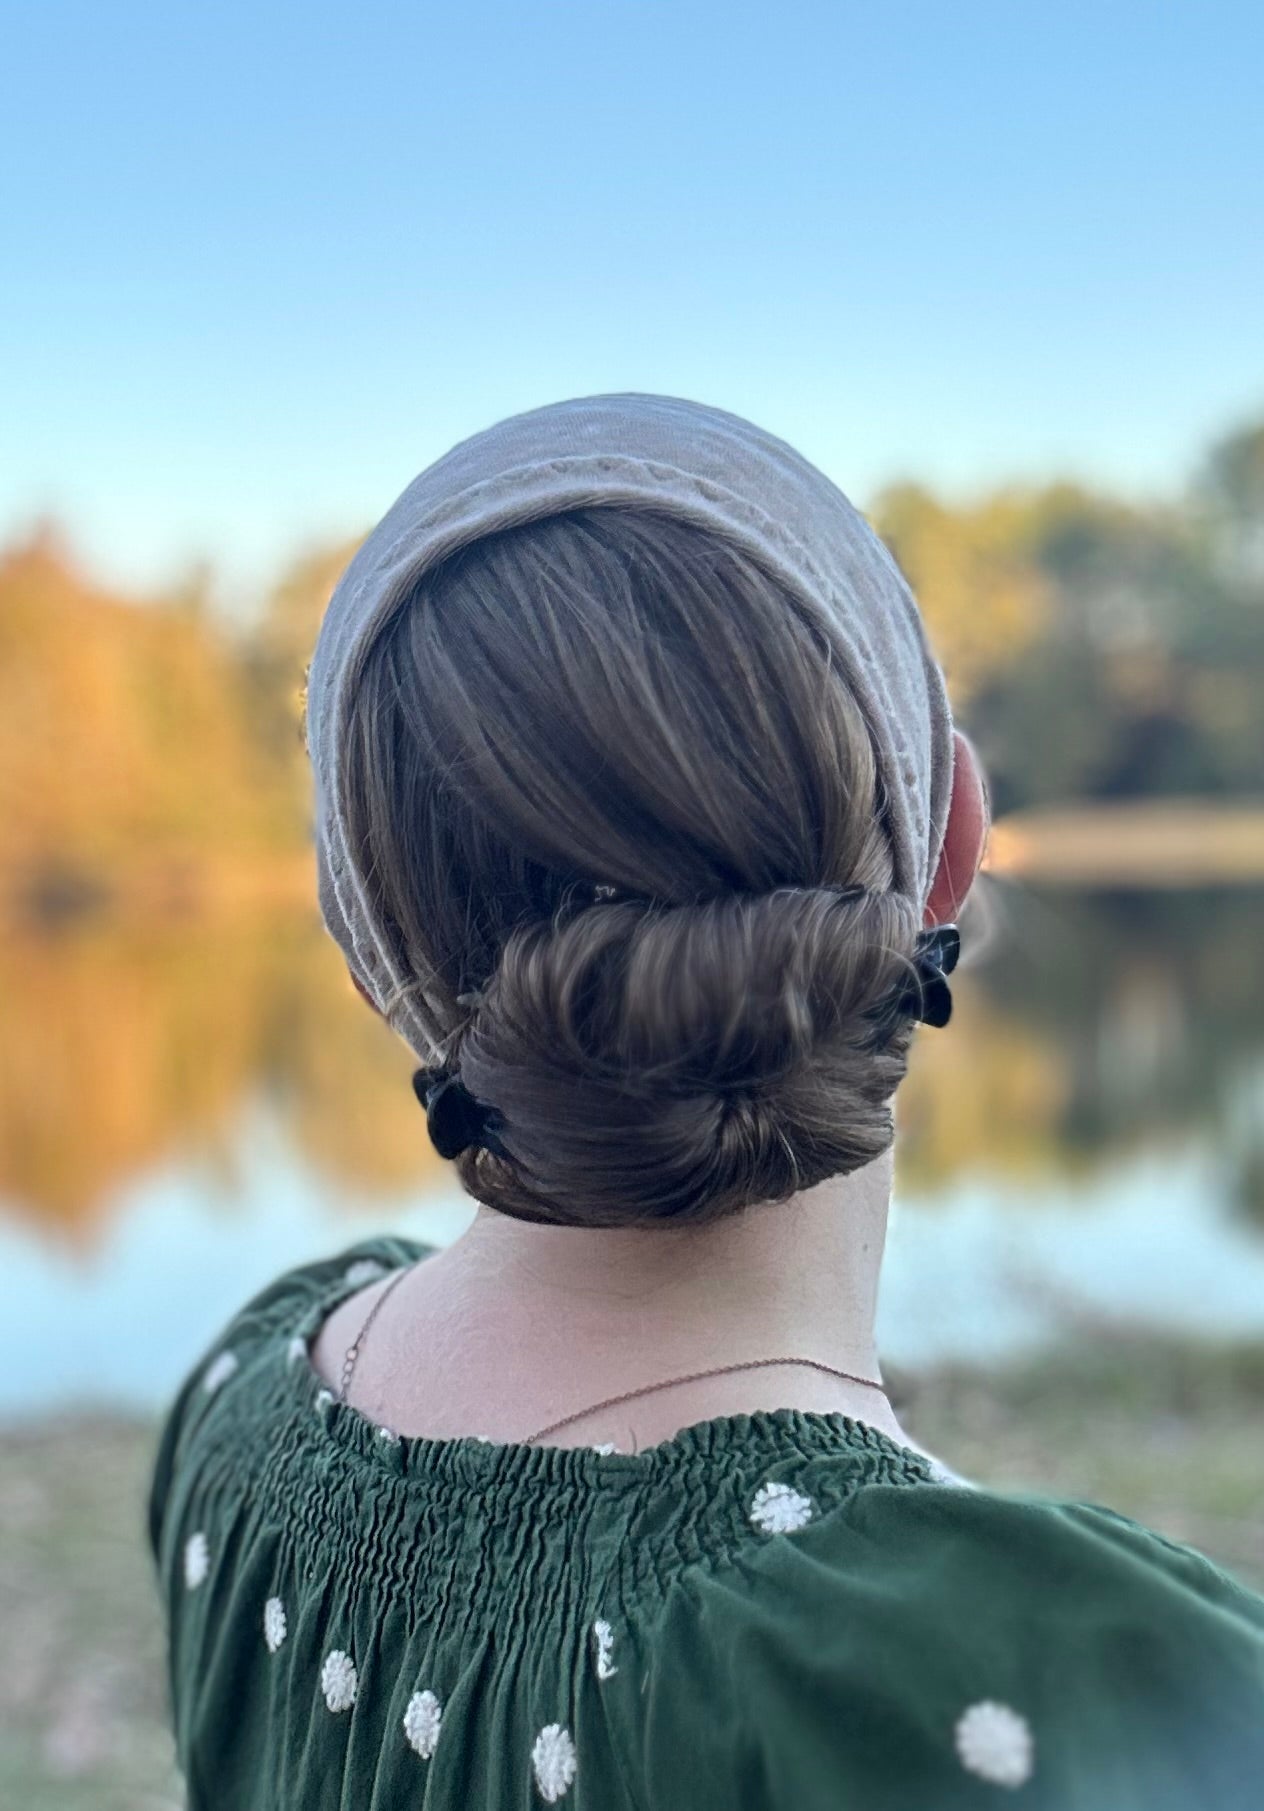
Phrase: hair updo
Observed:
(619, 809)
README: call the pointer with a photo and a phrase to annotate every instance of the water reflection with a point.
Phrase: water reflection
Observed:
(124, 1047)
(1093, 1027)
(1099, 1025)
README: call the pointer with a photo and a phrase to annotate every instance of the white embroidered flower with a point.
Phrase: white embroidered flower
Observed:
(389, 1435)
(218, 1371)
(323, 1400)
(604, 1638)
(296, 1349)
(364, 1270)
(607, 1446)
(197, 1560)
(553, 1758)
(779, 1509)
(995, 1742)
(421, 1723)
(338, 1680)
(274, 1623)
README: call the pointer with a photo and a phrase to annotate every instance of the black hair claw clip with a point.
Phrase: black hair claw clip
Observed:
(455, 1120)
(927, 997)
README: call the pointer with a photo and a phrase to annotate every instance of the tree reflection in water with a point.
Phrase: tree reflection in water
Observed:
(1093, 1026)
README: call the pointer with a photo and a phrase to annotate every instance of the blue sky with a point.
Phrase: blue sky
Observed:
(266, 261)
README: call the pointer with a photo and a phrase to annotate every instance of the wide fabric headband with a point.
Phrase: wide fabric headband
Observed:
(687, 460)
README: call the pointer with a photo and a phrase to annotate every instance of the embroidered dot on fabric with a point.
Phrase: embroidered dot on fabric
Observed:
(995, 1742)
(603, 1637)
(275, 1627)
(780, 1509)
(389, 1435)
(422, 1721)
(553, 1758)
(197, 1560)
(338, 1681)
(323, 1400)
(364, 1270)
(296, 1349)
(606, 1448)
(218, 1372)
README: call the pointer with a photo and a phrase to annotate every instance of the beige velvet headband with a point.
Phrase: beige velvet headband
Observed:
(703, 466)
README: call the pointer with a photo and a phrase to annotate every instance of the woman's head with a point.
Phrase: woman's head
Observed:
(606, 783)
(617, 814)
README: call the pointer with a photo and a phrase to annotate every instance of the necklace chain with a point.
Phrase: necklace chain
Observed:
(609, 1402)
(353, 1350)
(753, 1364)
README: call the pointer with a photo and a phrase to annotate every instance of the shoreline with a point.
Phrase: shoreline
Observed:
(1174, 842)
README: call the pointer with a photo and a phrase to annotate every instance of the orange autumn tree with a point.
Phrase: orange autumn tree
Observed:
(125, 735)
(984, 599)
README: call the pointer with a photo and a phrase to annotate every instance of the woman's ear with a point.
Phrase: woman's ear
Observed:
(965, 838)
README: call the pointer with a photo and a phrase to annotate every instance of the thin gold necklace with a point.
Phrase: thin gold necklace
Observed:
(754, 1364)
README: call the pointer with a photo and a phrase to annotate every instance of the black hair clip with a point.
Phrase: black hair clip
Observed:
(455, 1120)
(926, 996)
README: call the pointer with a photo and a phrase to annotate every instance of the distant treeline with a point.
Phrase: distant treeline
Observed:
(1096, 649)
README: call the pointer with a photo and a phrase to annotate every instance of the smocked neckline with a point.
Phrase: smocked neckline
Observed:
(756, 1434)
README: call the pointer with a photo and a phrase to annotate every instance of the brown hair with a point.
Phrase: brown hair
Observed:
(620, 808)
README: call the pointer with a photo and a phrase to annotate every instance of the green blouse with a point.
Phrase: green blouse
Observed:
(778, 1609)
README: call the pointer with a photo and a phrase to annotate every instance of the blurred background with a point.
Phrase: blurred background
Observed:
(1000, 276)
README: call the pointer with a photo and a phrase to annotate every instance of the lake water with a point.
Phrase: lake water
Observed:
(187, 1115)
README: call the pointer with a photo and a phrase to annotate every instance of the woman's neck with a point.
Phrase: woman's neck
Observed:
(797, 1276)
(523, 1324)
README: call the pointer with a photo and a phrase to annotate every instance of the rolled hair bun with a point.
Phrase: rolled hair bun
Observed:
(680, 1063)
(616, 812)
